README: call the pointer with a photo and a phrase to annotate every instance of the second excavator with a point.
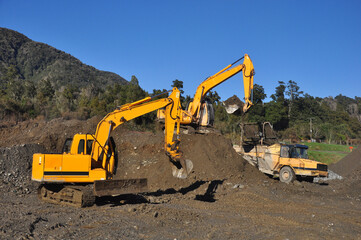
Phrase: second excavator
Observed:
(200, 112)
(86, 166)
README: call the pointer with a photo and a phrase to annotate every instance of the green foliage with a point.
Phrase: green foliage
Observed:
(294, 114)
(134, 80)
(36, 79)
(178, 84)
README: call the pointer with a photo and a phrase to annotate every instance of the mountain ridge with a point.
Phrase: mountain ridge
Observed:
(35, 61)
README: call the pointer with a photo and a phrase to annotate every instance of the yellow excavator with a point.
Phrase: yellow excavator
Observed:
(199, 112)
(87, 164)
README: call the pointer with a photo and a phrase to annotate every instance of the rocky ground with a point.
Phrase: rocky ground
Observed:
(224, 198)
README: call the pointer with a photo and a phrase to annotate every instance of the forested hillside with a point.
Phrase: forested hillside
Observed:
(39, 80)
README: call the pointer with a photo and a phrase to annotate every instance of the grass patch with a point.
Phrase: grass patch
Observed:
(327, 147)
(326, 157)
(327, 153)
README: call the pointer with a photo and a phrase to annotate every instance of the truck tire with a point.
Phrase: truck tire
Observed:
(287, 175)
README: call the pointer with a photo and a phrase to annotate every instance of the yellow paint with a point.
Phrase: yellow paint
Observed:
(193, 113)
(81, 166)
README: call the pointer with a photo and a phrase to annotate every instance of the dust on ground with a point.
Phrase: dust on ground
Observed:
(224, 197)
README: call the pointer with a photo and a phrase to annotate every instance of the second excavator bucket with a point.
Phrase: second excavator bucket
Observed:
(184, 170)
(233, 105)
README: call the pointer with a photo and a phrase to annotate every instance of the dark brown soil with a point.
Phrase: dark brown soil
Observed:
(350, 164)
(234, 100)
(224, 198)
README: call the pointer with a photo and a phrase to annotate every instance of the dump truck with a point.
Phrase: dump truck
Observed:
(260, 147)
(88, 162)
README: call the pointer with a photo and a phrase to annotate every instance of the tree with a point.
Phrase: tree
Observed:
(257, 112)
(70, 93)
(134, 81)
(293, 93)
(178, 84)
(44, 96)
(276, 111)
(45, 89)
(30, 90)
(158, 94)
(258, 94)
(279, 96)
(213, 97)
(13, 87)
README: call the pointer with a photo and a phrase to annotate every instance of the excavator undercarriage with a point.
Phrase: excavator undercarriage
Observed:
(84, 195)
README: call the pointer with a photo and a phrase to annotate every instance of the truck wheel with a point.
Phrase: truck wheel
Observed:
(287, 175)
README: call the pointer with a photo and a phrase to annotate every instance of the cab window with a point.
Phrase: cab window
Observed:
(81, 146)
(303, 153)
(285, 151)
(67, 145)
(89, 145)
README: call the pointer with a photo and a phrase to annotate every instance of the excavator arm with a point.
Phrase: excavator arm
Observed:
(127, 112)
(218, 78)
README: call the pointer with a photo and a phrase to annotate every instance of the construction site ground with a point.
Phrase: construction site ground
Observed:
(224, 197)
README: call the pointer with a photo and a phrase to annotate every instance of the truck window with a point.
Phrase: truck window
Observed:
(295, 152)
(81, 146)
(285, 151)
(298, 152)
(303, 153)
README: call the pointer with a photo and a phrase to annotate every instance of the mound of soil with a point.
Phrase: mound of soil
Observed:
(15, 167)
(140, 154)
(349, 165)
(234, 100)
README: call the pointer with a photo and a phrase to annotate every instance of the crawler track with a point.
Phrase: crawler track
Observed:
(78, 196)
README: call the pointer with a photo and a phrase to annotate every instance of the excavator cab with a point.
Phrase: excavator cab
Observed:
(206, 114)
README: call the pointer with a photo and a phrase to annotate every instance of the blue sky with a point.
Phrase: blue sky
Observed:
(314, 43)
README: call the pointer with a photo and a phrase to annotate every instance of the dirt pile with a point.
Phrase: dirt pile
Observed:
(50, 134)
(141, 154)
(349, 165)
(15, 167)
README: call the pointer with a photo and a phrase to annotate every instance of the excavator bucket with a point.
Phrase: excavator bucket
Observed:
(183, 172)
(233, 105)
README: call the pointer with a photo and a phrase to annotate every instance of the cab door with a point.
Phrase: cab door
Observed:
(76, 163)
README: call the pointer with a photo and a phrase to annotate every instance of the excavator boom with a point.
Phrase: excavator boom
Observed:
(199, 112)
(130, 111)
(220, 77)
